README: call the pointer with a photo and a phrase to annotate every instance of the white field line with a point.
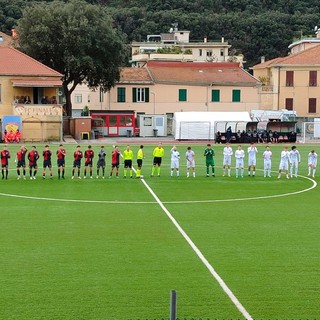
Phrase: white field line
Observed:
(222, 284)
(314, 184)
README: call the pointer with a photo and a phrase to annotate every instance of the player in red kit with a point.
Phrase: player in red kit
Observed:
(47, 153)
(5, 156)
(61, 154)
(115, 161)
(21, 162)
(88, 155)
(33, 157)
(77, 156)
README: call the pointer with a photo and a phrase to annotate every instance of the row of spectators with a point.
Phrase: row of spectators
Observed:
(11, 136)
(255, 136)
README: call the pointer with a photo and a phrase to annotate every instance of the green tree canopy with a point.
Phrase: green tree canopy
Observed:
(75, 38)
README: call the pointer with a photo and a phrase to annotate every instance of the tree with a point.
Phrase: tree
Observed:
(77, 39)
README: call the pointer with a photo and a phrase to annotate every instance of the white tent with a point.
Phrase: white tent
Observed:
(201, 125)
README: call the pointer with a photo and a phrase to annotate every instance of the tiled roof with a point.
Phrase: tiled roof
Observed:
(135, 75)
(14, 62)
(307, 57)
(200, 73)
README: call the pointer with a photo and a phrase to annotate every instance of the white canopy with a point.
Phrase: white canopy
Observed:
(201, 125)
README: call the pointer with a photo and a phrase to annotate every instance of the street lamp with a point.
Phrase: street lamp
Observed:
(154, 102)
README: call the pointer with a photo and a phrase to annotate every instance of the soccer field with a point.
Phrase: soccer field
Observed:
(114, 248)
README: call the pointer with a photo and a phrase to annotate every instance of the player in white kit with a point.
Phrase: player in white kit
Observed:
(312, 163)
(267, 156)
(190, 162)
(239, 155)
(284, 162)
(295, 159)
(227, 153)
(252, 159)
(175, 157)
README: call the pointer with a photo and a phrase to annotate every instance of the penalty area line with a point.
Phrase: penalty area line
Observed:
(200, 255)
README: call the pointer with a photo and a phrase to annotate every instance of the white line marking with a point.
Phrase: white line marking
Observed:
(314, 184)
(222, 284)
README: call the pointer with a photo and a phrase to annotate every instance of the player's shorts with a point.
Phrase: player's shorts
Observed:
(139, 163)
(210, 163)
(127, 164)
(157, 161)
(294, 163)
(312, 163)
(239, 163)
(115, 165)
(191, 164)
(175, 164)
(252, 161)
(77, 164)
(33, 165)
(4, 165)
(21, 164)
(88, 163)
(60, 162)
(101, 163)
(47, 163)
(227, 160)
(283, 165)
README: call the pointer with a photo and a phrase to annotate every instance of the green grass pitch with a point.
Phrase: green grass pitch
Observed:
(105, 249)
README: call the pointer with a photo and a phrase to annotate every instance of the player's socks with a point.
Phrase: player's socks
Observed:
(253, 173)
(178, 173)
(138, 173)
(130, 173)
(194, 174)
(152, 171)
(229, 172)
(158, 171)
(171, 173)
(188, 174)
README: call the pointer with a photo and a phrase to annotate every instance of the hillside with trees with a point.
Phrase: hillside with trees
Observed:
(254, 28)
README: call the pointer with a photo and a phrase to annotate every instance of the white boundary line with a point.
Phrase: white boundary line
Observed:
(314, 184)
(222, 284)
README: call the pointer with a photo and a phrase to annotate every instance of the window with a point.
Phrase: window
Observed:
(182, 94)
(312, 105)
(312, 78)
(289, 78)
(125, 121)
(221, 52)
(236, 95)
(289, 103)
(121, 97)
(200, 52)
(78, 98)
(209, 53)
(140, 94)
(215, 96)
(147, 121)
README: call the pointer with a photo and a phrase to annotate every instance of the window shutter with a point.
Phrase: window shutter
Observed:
(134, 94)
(146, 94)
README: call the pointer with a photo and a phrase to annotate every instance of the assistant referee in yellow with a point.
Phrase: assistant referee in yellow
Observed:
(158, 154)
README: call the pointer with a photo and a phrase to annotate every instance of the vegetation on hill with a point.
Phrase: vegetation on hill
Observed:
(253, 27)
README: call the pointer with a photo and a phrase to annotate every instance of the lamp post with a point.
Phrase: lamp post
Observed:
(154, 102)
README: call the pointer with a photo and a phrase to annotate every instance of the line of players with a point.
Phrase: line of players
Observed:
(33, 157)
(289, 161)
